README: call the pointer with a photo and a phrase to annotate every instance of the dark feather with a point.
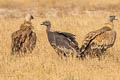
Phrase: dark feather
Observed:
(62, 42)
(70, 36)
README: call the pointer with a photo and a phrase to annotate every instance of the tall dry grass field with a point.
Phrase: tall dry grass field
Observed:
(75, 16)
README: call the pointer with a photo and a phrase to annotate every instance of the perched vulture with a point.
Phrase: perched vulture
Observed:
(96, 42)
(64, 43)
(24, 39)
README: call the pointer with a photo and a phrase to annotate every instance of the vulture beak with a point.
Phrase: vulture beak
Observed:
(41, 24)
(32, 17)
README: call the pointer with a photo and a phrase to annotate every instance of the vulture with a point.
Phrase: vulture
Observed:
(98, 41)
(64, 43)
(24, 39)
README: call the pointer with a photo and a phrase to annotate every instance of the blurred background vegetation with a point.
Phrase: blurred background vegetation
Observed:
(63, 4)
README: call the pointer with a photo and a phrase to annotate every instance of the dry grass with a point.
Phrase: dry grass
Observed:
(43, 63)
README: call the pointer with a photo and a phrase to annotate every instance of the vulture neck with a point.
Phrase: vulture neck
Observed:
(27, 22)
(48, 28)
(110, 24)
(26, 25)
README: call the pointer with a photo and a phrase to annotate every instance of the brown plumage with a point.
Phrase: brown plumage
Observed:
(24, 39)
(96, 42)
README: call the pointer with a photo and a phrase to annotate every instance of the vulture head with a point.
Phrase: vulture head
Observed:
(46, 23)
(113, 18)
(29, 17)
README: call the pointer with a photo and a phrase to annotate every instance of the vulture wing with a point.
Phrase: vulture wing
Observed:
(19, 38)
(71, 38)
(91, 36)
(104, 41)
